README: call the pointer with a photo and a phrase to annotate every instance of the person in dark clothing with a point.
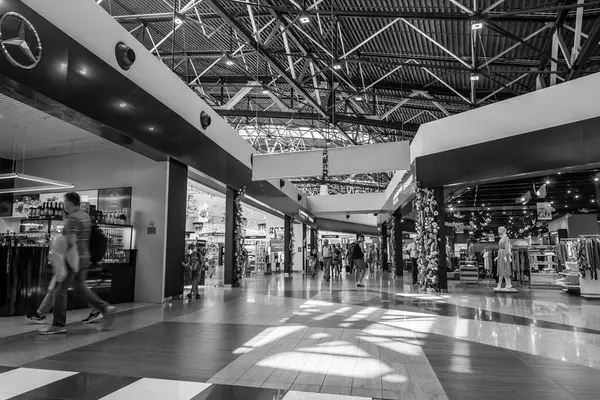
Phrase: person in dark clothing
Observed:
(358, 260)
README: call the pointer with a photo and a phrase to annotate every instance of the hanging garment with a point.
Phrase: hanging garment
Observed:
(487, 260)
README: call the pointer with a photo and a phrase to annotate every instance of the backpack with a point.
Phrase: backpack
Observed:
(98, 244)
(327, 251)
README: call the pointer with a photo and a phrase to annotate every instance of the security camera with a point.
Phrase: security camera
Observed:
(205, 120)
(125, 56)
(347, 216)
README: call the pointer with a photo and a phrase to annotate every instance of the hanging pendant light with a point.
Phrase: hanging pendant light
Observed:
(48, 184)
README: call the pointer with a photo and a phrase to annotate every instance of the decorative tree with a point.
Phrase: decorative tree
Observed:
(427, 239)
(393, 248)
(292, 243)
(238, 235)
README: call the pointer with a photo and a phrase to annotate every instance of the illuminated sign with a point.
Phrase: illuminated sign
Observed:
(304, 215)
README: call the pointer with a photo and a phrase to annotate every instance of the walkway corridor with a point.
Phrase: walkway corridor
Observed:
(298, 338)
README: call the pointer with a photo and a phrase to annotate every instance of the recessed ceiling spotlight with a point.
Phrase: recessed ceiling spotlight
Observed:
(151, 128)
(596, 179)
(459, 201)
(568, 191)
(337, 66)
(229, 62)
(576, 196)
(560, 173)
(265, 91)
(122, 105)
(547, 182)
(358, 98)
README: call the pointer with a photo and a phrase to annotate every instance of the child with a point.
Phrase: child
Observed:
(60, 258)
(194, 264)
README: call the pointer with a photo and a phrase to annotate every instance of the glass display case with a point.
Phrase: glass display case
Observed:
(42, 231)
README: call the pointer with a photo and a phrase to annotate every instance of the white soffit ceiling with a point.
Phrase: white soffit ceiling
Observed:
(26, 132)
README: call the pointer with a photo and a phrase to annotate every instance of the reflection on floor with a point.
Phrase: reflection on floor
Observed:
(304, 338)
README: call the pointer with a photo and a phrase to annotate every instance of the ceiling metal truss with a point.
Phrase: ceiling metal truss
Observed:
(301, 74)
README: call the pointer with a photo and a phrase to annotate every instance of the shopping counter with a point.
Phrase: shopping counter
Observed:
(25, 275)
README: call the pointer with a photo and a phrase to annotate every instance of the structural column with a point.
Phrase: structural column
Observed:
(177, 174)
(441, 217)
(384, 244)
(230, 227)
(398, 256)
(287, 240)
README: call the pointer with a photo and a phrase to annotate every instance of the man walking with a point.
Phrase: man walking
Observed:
(78, 229)
(327, 254)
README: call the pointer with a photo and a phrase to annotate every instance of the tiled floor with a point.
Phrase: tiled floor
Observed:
(302, 338)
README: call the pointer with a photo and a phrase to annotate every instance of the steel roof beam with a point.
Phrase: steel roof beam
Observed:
(587, 50)
(247, 37)
(312, 116)
(326, 13)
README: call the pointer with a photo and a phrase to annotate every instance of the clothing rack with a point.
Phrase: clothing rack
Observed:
(588, 260)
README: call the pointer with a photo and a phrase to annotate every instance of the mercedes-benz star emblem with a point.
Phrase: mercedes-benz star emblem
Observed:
(20, 41)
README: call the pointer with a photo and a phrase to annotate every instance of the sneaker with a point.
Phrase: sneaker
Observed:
(360, 285)
(53, 330)
(93, 317)
(36, 318)
(197, 296)
(189, 295)
(109, 316)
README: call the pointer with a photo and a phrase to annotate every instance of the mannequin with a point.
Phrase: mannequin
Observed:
(504, 260)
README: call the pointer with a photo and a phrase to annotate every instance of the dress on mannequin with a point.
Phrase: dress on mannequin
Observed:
(504, 256)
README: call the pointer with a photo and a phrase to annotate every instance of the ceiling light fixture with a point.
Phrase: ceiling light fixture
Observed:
(576, 196)
(568, 191)
(547, 182)
(179, 18)
(50, 184)
(337, 66)
(596, 179)
(304, 18)
(122, 105)
(229, 62)
(474, 77)
(358, 98)
(265, 91)
(476, 25)
(151, 128)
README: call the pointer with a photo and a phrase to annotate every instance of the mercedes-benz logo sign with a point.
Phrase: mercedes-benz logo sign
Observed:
(20, 41)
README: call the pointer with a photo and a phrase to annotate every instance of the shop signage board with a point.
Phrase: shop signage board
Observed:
(255, 237)
(305, 216)
(330, 236)
(544, 211)
(114, 199)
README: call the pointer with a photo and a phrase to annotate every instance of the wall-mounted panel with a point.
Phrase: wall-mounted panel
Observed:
(287, 165)
(369, 158)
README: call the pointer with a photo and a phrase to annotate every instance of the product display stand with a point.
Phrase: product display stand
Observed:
(590, 288)
(469, 272)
